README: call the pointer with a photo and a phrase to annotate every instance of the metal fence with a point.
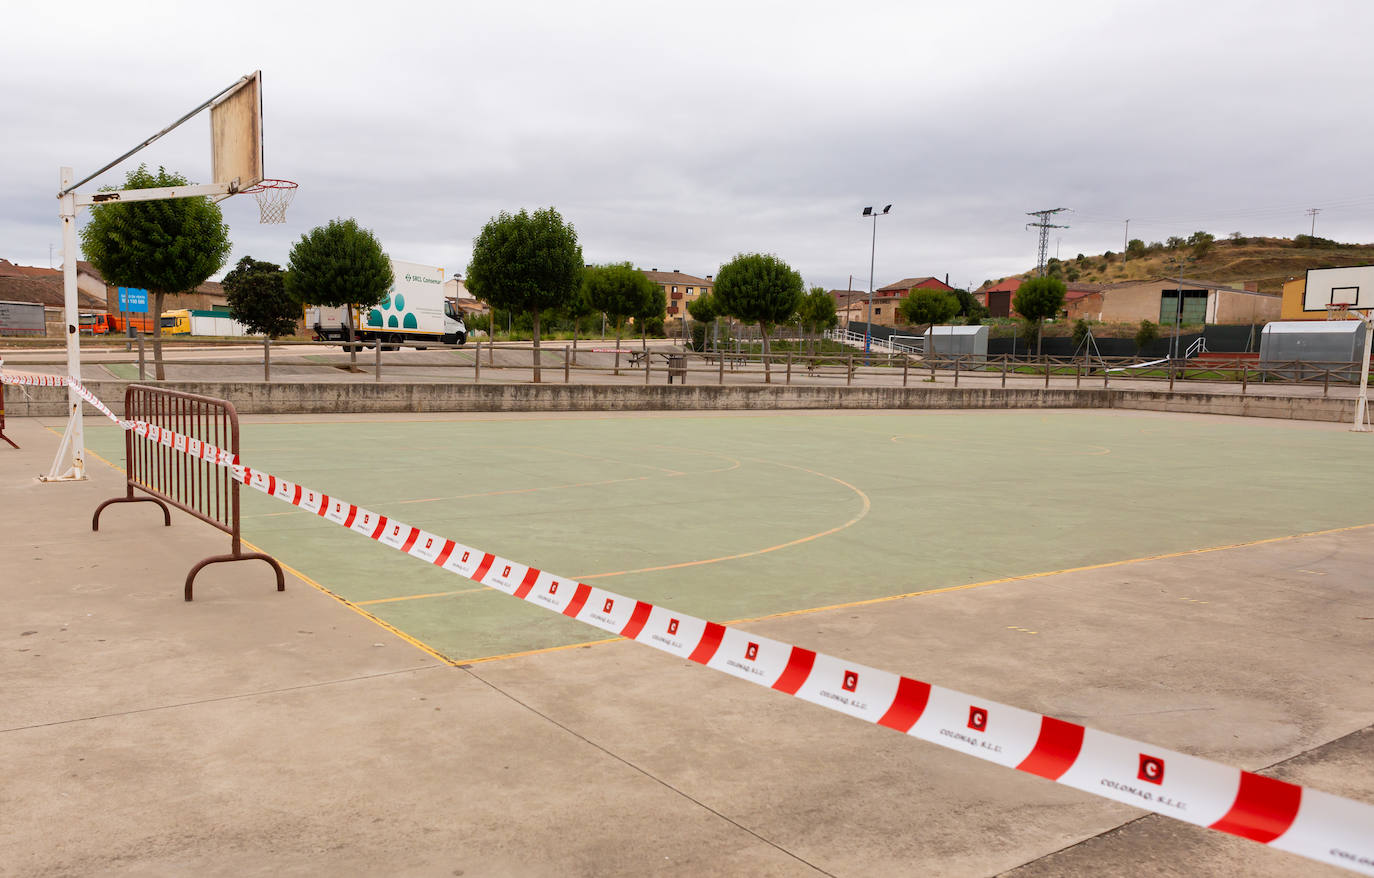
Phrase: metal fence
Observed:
(168, 476)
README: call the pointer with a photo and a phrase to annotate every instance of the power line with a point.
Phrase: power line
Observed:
(1312, 212)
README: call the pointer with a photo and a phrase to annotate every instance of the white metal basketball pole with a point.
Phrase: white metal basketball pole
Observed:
(1362, 402)
(73, 446)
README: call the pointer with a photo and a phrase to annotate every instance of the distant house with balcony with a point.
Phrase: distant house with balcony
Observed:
(679, 289)
(854, 305)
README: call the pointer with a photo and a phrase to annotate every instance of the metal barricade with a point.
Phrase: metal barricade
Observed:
(2, 418)
(202, 489)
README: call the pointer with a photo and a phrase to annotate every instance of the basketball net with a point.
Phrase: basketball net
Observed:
(273, 197)
(1338, 311)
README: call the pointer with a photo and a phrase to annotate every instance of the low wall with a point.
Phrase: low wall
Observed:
(261, 398)
(325, 398)
(1299, 408)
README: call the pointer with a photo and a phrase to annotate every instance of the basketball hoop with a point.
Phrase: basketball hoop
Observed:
(273, 197)
(1337, 310)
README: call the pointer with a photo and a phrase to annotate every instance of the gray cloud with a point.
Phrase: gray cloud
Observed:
(676, 138)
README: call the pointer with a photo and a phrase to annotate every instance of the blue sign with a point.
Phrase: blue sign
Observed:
(133, 300)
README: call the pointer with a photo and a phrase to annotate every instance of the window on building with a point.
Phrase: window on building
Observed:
(1193, 309)
(675, 288)
(877, 311)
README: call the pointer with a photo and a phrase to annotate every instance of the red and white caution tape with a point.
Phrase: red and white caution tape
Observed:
(1304, 821)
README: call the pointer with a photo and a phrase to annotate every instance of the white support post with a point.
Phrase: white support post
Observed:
(73, 445)
(1362, 402)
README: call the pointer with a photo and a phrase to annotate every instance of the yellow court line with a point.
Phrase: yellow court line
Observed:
(947, 589)
(415, 597)
(419, 644)
(867, 505)
(1026, 576)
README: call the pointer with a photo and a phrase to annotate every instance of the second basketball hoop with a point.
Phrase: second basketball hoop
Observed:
(273, 197)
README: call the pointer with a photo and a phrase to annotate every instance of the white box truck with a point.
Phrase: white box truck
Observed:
(414, 311)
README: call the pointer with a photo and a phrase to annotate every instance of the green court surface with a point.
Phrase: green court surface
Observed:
(734, 517)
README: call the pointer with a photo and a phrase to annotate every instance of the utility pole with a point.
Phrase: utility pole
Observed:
(1125, 240)
(1044, 226)
(1179, 263)
(1312, 212)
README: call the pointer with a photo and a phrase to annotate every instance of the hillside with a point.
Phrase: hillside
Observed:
(1267, 261)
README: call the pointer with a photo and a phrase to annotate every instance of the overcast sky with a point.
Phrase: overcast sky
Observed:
(677, 136)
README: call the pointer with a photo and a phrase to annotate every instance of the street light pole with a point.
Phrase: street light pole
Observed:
(872, 255)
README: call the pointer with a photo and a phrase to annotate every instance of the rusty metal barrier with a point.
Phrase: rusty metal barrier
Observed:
(2, 418)
(198, 487)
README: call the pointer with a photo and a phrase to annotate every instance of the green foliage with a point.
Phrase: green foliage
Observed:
(928, 306)
(1072, 273)
(699, 330)
(1237, 239)
(338, 264)
(1201, 242)
(1039, 298)
(817, 310)
(704, 308)
(1146, 334)
(1175, 242)
(1081, 329)
(526, 262)
(1135, 247)
(758, 288)
(618, 290)
(257, 297)
(970, 308)
(1108, 257)
(171, 245)
(1155, 247)
(653, 306)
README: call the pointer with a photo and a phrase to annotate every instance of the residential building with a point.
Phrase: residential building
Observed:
(679, 290)
(885, 300)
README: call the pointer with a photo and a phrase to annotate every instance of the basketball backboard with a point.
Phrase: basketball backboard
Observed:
(236, 134)
(1352, 286)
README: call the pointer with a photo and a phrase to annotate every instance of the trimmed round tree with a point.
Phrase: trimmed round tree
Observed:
(759, 288)
(620, 291)
(1037, 299)
(257, 296)
(171, 245)
(339, 265)
(817, 311)
(527, 262)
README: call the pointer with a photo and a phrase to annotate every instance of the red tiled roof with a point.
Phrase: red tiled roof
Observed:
(908, 283)
(674, 277)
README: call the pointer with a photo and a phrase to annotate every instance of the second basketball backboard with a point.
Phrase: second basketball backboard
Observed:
(1352, 286)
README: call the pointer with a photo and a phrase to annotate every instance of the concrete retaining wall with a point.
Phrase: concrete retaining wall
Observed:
(1301, 408)
(261, 398)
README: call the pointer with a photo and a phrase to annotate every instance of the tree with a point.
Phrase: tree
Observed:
(577, 309)
(258, 299)
(1135, 247)
(1201, 242)
(969, 307)
(170, 245)
(618, 290)
(923, 306)
(817, 311)
(1146, 334)
(759, 288)
(339, 265)
(527, 262)
(703, 309)
(1174, 242)
(1038, 299)
(651, 309)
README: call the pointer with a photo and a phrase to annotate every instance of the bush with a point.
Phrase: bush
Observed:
(654, 326)
(699, 331)
(1237, 239)
(1081, 329)
(1146, 334)
(1135, 247)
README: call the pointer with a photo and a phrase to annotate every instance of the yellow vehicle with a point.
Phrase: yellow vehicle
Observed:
(176, 322)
